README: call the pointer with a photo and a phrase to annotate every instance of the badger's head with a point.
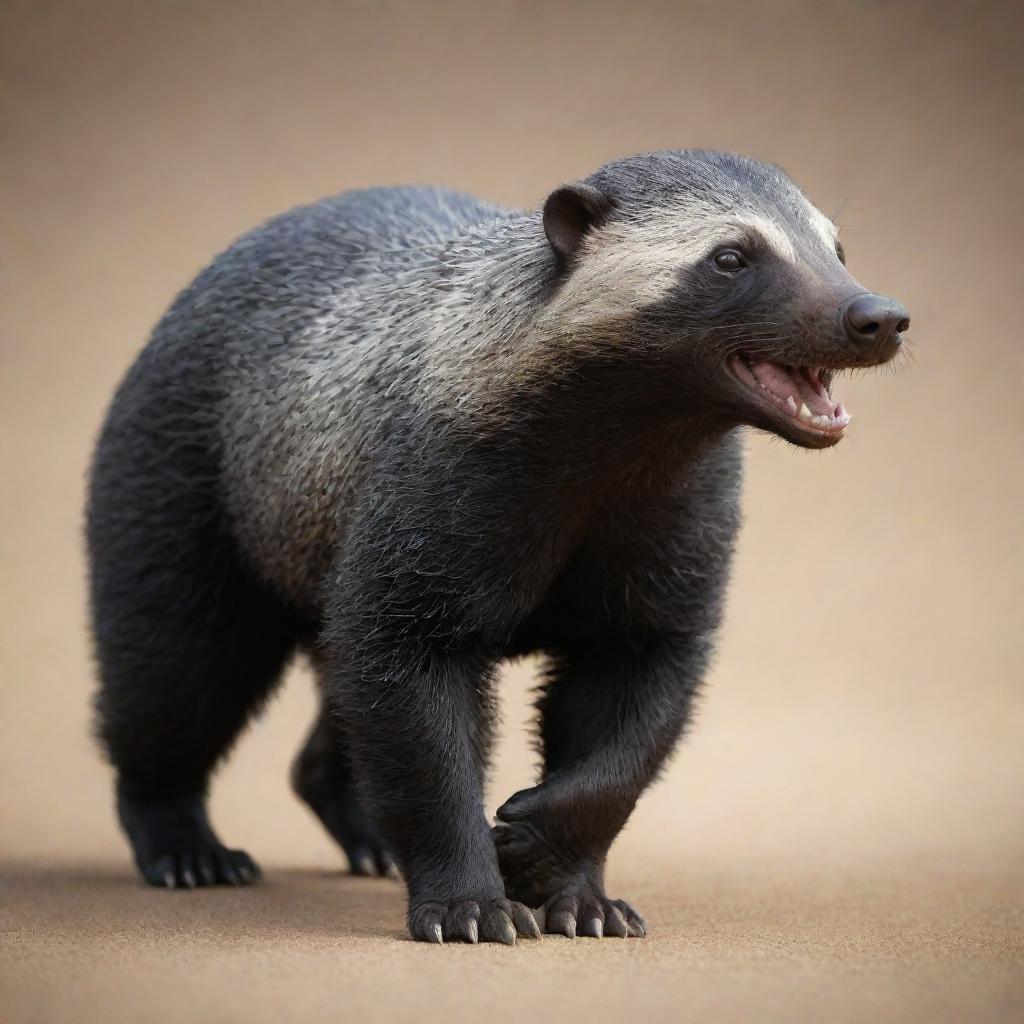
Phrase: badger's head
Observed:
(716, 279)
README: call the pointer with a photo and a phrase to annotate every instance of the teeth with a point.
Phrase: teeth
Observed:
(804, 413)
(791, 405)
(821, 421)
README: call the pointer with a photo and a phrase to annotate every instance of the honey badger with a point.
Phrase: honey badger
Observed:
(413, 434)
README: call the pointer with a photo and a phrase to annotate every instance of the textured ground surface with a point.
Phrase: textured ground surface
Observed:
(88, 944)
(841, 838)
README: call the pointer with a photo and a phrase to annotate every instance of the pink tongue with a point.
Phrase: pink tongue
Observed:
(792, 384)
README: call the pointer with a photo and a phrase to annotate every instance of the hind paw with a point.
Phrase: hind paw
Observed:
(189, 869)
(369, 859)
(340, 813)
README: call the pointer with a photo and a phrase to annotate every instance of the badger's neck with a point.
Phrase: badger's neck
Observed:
(485, 291)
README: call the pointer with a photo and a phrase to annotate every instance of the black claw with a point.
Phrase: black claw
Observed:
(525, 922)
(186, 872)
(207, 873)
(461, 921)
(225, 869)
(363, 864)
(498, 927)
(383, 863)
(251, 867)
(425, 923)
(637, 926)
(562, 923)
(162, 873)
(615, 923)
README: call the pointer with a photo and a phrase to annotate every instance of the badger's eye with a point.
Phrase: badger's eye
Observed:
(841, 252)
(729, 260)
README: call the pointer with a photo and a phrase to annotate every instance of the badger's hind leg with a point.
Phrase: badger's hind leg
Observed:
(322, 777)
(189, 644)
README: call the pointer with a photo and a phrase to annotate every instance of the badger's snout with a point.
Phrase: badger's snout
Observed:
(793, 386)
(875, 325)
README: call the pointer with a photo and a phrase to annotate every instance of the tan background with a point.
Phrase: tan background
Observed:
(841, 837)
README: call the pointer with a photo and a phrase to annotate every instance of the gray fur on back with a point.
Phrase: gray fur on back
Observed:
(331, 326)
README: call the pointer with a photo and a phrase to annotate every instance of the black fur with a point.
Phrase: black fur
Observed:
(586, 510)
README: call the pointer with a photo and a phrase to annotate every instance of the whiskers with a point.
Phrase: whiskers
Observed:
(757, 334)
(906, 358)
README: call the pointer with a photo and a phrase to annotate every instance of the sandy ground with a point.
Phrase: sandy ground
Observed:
(841, 838)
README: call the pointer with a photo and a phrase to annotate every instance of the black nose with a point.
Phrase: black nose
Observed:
(874, 324)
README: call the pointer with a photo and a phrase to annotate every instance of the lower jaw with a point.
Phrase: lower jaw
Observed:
(809, 437)
(791, 429)
(785, 421)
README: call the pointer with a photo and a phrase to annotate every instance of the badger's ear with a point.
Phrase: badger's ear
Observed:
(569, 213)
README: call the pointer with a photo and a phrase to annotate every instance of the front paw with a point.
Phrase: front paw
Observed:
(532, 866)
(582, 908)
(472, 920)
(566, 885)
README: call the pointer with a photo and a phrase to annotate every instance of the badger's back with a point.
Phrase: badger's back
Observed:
(248, 411)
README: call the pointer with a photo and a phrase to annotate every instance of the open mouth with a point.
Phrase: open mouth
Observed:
(796, 392)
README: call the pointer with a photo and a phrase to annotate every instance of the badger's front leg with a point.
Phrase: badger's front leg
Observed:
(416, 710)
(611, 714)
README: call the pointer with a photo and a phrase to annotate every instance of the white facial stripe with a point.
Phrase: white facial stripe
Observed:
(623, 267)
(823, 226)
(774, 235)
(703, 232)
